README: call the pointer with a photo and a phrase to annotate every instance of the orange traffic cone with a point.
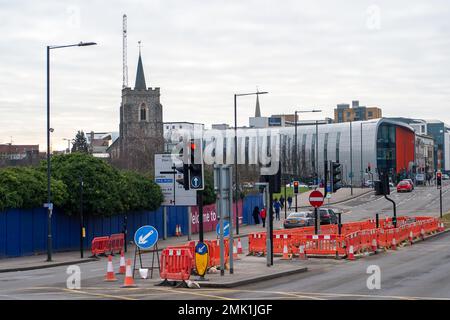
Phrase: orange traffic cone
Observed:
(239, 247)
(394, 244)
(411, 238)
(301, 252)
(285, 252)
(129, 281)
(351, 255)
(235, 253)
(422, 233)
(441, 227)
(179, 230)
(110, 271)
(122, 267)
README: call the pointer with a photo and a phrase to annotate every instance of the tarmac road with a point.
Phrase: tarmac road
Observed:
(416, 272)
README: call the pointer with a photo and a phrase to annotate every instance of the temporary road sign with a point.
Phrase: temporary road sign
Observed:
(201, 258)
(316, 198)
(226, 229)
(146, 237)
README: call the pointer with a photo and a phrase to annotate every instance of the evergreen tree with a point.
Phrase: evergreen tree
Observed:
(79, 144)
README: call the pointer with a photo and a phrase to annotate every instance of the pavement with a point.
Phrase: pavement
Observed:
(73, 257)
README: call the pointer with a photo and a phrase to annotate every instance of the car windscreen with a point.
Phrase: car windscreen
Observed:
(298, 215)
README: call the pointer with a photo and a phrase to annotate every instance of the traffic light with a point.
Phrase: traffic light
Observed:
(383, 186)
(296, 187)
(196, 165)
(439, 179)
(184, 181)
(336, 176)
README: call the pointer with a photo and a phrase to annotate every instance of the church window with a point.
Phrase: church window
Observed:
(143, 113)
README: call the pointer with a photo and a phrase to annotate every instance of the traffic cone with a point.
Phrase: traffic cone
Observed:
(129, 281)
(285, 252)
(122, 267)
(176, 231)
(239, 247)
(350, 255)
(422, 233)
(235, 253)
(394, 244)
(411, 237)
(179, 230)
(441, 227)
(301, 252)
(110, 271)
(374, 245)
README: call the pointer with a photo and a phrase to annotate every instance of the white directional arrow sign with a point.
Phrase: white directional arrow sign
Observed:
(143, 239)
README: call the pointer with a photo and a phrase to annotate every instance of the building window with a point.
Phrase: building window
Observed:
(143, 113)
(338, 141)
(370, 114)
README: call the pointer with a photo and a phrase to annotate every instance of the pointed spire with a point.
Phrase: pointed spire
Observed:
(140, 77)
(258, 109)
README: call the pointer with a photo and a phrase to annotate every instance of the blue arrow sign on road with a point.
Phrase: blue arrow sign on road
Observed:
(226, 229)
(201, 248)
(146, 237)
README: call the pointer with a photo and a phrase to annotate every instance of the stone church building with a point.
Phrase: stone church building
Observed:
(141, 126)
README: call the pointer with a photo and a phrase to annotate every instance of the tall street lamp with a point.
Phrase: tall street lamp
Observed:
(236, 194)
(49, 130)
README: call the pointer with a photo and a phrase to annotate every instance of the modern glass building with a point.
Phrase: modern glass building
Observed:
(378, 144)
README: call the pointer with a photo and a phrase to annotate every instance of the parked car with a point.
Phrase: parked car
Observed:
(404, 186)
(328, 216)
(410, 181)
(368, 184)
(445, 177)
(299, 219)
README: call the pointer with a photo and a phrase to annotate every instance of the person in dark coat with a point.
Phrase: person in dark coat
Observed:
(256, 215)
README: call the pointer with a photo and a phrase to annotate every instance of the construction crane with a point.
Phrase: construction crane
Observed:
(124, 53)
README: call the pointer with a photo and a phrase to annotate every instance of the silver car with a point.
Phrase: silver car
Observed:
(299, 219)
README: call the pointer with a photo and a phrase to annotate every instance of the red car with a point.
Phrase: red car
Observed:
(404, 186)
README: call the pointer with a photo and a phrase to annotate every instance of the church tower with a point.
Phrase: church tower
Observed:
(141, 124)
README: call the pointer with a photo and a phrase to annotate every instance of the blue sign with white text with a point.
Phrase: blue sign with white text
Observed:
(146, 237)
(226, 229)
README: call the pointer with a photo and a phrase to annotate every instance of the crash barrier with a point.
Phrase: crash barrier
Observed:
(357, 237)
(100, 245)
(117, 242)
(176, 264)
(106, 244)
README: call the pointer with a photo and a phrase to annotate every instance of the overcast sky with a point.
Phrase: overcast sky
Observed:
(390, 54)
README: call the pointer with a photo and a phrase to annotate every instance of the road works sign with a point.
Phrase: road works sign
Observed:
(146, 237)
(201, 258)
(316, 199)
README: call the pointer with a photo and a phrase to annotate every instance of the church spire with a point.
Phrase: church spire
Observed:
(140, 77)
(258, 109)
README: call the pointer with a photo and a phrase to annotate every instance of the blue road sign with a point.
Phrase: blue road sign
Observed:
(226, 229)
(195, 182)
(201, 248)
(146, 237)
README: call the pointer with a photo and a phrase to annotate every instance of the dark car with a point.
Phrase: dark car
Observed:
(299, 219)
(328, 216)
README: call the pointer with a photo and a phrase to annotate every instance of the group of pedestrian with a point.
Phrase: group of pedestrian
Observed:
(257, 214)
(278, 205)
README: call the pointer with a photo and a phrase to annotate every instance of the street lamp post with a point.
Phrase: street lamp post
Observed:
(49, 130)
(236, 191)
(351, 159)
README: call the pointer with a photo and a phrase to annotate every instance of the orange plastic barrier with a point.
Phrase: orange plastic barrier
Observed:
(323, 244)
(100, 245)
(117, 242)
(176, 264)
(214, 251)
(257, 243)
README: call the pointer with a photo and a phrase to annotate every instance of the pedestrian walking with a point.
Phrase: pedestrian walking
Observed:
(289, 201)
(282, 201)
(277, 207)
(256, 214)
(263, 214)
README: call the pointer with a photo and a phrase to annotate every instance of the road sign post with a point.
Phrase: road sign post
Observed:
(146, 241)
(224, 204)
